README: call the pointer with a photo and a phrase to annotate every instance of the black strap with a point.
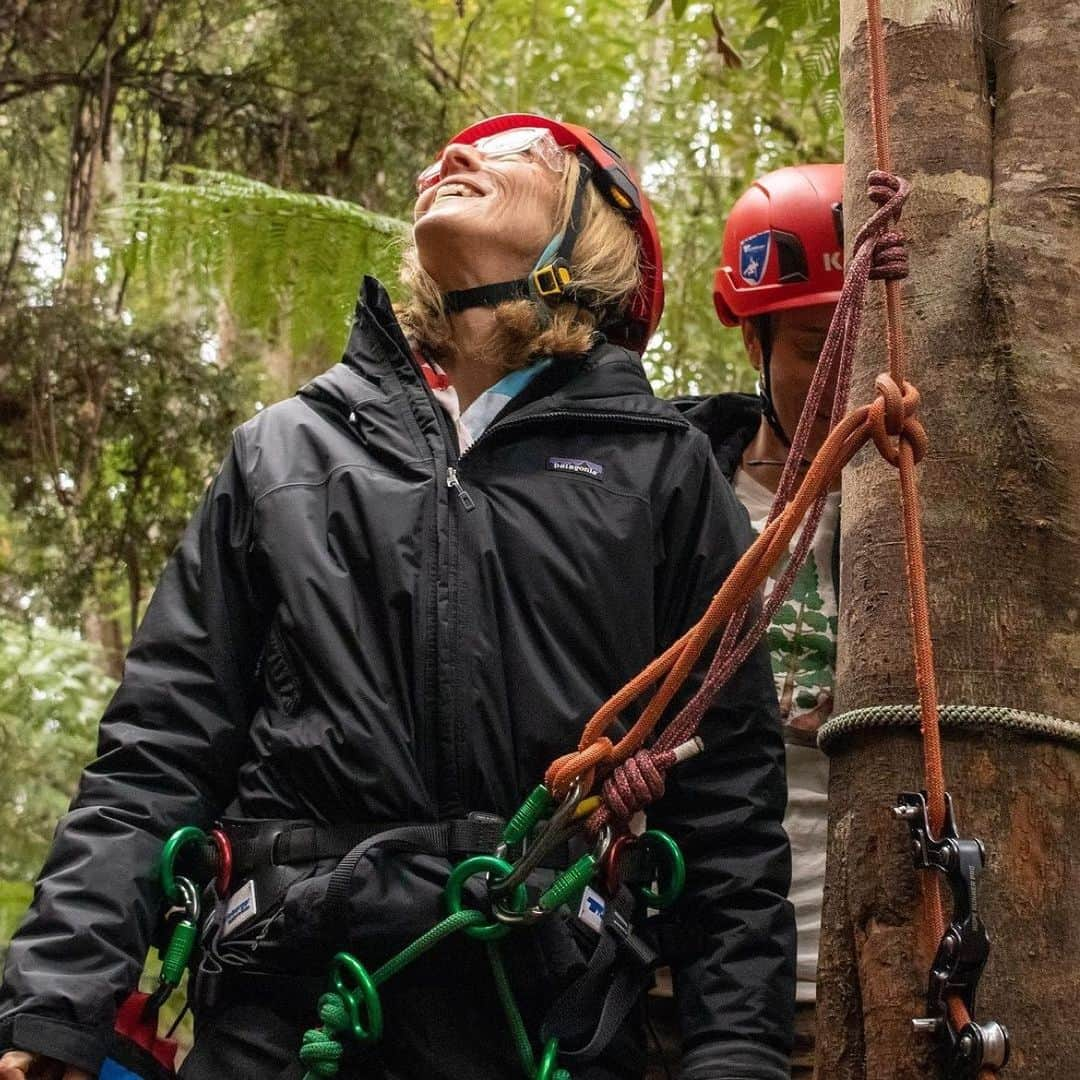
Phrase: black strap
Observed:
(764, 326)
(590, 1012)
(257, 843)
(429, 839)
(577, 207)
(486, 295)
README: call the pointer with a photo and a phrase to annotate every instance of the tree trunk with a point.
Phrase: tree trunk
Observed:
(984, 122)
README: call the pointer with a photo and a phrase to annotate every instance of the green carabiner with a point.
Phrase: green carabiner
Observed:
(363, 991)
(181, 838)
(661, 844)
(483, 864)
(549, 1069)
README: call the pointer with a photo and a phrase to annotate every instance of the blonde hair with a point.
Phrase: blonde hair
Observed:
(606, 273)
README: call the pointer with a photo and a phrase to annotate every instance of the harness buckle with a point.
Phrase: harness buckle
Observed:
(965, 945)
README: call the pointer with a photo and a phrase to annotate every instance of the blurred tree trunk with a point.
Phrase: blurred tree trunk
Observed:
(985, 117)
(93, 169)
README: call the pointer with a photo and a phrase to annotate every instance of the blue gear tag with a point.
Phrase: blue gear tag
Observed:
(111, 1070)
(591, 910)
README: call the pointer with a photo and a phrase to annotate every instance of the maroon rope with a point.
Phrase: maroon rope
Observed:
(878, 252)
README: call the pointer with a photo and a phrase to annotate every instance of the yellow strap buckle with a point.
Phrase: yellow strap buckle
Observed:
(551, 280)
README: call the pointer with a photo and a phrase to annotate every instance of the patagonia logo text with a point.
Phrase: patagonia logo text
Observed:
(576, 465)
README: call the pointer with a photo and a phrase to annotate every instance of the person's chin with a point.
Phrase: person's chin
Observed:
(442, 232)
(455, 212)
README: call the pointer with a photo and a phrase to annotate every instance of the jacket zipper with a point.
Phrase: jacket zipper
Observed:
(454, 484)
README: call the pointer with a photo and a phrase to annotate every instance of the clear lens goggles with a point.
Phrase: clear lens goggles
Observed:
(537, 143)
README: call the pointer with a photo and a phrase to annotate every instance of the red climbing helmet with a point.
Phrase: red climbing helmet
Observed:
(783, 244)
(614, 179)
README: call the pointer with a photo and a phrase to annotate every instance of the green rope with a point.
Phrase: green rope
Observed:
(518, 1031)
(1014, 721)
(510, 1007)
(450, 925)
(322, 1048)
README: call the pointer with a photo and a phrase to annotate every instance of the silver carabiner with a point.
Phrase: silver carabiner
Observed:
(191, 906)
(554, 833)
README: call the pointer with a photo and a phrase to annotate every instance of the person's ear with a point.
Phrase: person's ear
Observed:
(752, 343)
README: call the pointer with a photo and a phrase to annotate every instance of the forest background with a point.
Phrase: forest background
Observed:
(190, 192)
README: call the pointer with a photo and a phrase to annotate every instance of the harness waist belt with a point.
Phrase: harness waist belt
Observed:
(259, 842)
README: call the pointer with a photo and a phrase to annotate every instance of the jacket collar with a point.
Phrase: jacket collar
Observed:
(609, 379)
(730, 421)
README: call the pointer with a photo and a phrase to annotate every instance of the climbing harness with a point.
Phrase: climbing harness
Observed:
(591, 1010)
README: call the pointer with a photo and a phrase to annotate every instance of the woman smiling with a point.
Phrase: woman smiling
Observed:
(402, 596)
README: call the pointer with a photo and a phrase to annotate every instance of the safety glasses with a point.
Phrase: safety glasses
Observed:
(538, 144)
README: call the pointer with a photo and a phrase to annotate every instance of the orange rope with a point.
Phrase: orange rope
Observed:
(914, 552)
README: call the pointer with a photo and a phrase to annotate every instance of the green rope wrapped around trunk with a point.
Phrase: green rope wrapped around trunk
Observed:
(970, 717)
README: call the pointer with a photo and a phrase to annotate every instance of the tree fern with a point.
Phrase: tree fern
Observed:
(276, 258)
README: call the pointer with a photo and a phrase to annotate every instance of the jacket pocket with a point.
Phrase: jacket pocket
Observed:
(282, 681)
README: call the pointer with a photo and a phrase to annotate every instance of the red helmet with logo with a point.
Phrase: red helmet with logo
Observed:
(614, 179)
(783, 244)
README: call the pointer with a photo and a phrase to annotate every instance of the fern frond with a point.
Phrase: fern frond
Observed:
(277, 258)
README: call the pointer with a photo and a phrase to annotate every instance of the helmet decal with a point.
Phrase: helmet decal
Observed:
(754, 256)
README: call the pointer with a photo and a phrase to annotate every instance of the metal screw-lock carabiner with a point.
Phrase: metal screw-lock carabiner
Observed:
(565, 889)
(177, 954)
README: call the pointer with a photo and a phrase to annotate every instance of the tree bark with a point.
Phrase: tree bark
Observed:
(984, 119)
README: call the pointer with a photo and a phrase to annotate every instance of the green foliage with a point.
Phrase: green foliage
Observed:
(799, 43)
(14, 900)
(287, 264)
(52, 693)
(112, 434)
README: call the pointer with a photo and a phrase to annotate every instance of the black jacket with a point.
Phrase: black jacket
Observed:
(730, 421)
(343, 636)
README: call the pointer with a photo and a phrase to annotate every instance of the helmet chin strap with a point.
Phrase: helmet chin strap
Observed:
(550, 280)
(764, 384)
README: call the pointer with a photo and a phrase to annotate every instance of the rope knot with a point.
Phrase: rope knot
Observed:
(889, 193)
(892, 416)
(636, 783)
(580, 763)
(887, 188)
(890, 258)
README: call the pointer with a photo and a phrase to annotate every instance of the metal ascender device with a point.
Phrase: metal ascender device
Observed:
(964, 946)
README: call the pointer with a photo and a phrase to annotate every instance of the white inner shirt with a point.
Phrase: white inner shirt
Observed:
(802, 647)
